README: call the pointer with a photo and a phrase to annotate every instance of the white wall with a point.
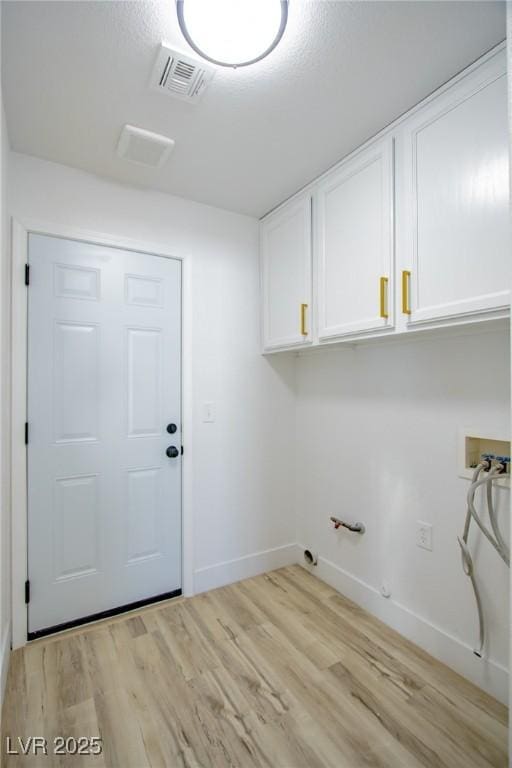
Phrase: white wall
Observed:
(509, 70)
(369, 433)
(242, 463)
(5, 575)
(377, 430)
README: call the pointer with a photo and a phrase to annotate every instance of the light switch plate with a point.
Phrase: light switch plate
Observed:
(208, 412)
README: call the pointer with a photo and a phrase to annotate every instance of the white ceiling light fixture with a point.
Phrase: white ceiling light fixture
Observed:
(232, 33)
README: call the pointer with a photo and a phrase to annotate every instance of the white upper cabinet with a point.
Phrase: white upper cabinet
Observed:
(456, 261)
(353, 224)
(286, 275)
(410, 231)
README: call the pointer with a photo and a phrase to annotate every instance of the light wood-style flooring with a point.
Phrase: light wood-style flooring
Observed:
(277, 671)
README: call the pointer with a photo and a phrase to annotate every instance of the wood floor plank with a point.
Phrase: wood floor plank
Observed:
(360, 740)
(260, 688)
(460, 725)
(278, 671)
(417, 660)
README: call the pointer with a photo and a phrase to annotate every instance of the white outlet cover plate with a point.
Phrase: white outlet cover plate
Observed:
(424, 535)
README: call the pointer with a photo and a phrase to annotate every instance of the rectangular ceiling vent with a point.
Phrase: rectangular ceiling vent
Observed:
(180, 76)
(144, 147)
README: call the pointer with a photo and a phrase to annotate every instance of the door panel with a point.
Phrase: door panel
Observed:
(73, 282)
(143, 381)
(143, 291)
(457, 183)
(144, 529)
(286, 264)
(354, 237)
(76, 549)
(75, 381)
(104, 500)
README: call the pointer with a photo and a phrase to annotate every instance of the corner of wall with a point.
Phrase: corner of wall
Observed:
(5, 501)
(509, 68)
(231, 571)
(5, 653)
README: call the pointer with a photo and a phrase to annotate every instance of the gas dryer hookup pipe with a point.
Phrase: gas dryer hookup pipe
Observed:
(354, 527)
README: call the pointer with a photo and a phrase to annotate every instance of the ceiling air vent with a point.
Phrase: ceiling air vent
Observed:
(144, 147)
(180, 76)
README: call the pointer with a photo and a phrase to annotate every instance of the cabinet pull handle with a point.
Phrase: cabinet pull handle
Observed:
(405, 292)
(383, 297)
(303, 329)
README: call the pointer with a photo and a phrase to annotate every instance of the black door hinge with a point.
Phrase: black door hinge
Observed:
(27, 274)
(26, 433)
(27, 592)
(182, 450)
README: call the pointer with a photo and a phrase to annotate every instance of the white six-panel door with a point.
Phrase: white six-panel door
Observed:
(104, 499)
(455, 161)
(353, 224)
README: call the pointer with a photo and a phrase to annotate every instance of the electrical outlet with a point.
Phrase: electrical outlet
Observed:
(424, 535)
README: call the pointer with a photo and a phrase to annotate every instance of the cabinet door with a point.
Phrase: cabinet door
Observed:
(354, 241)
(457, 190)
(286, 267)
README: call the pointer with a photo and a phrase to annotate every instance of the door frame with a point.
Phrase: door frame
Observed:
(19, 350)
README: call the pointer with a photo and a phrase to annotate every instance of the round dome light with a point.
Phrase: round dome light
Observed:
(232, 33)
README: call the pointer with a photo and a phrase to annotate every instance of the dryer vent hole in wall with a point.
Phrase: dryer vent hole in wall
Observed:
(311, 558)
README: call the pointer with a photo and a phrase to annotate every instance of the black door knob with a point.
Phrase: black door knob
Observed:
(171, 428)
(172, 452)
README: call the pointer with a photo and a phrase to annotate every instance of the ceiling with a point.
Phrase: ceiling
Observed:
(75, 72)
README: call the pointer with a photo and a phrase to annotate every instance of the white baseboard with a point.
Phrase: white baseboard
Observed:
(228, 572)
(5, 654)
(487, 674)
